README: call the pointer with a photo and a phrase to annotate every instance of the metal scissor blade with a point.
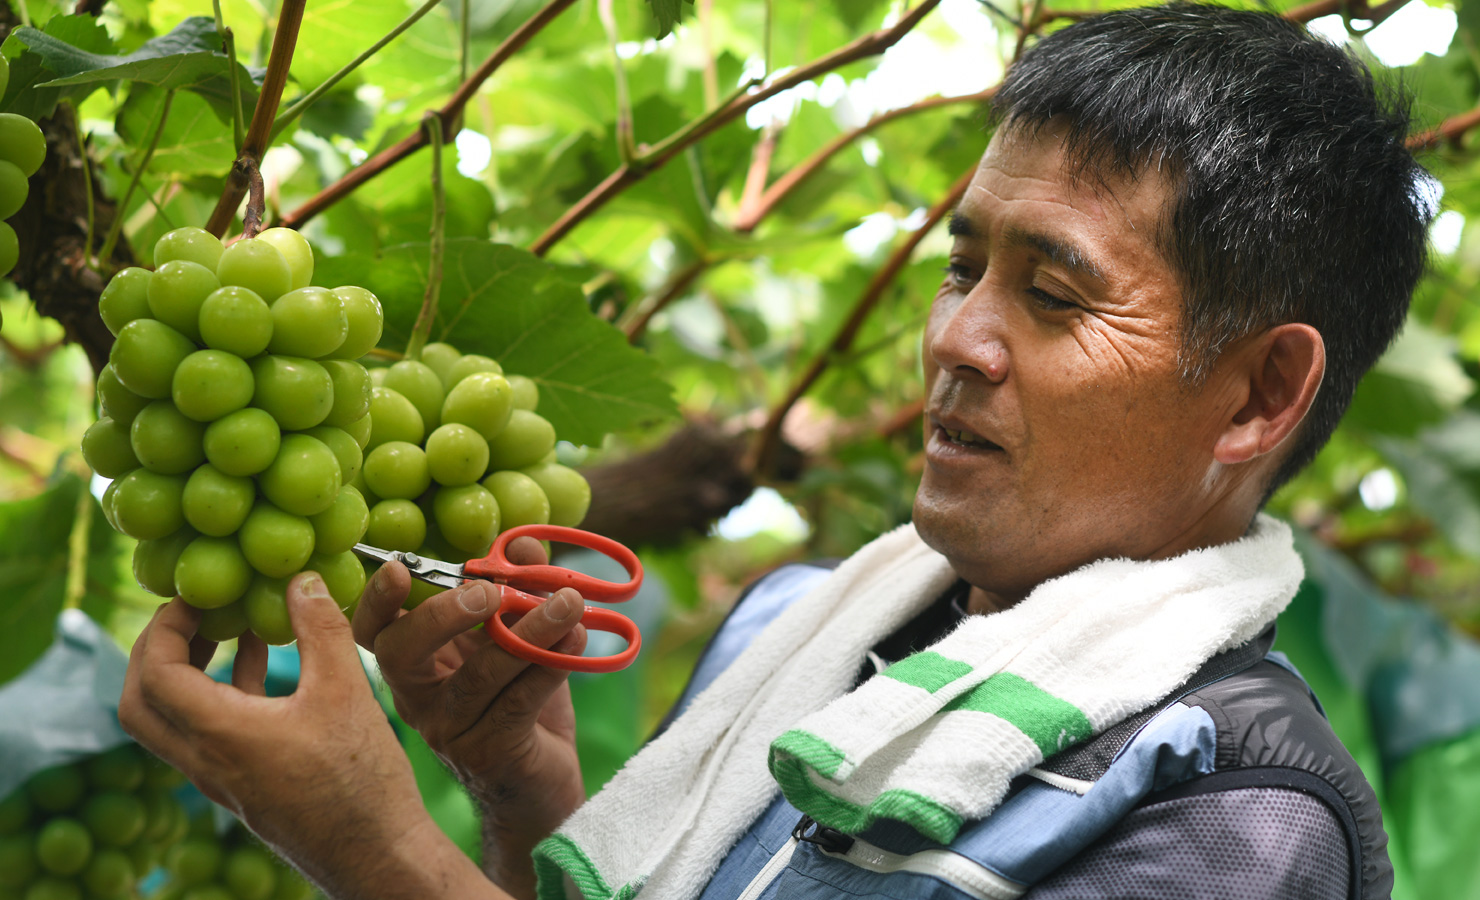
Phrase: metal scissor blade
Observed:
(432, 571)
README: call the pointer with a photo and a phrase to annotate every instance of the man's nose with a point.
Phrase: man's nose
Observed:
(970, 341)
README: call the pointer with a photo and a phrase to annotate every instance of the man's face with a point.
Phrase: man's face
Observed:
(1052, 344)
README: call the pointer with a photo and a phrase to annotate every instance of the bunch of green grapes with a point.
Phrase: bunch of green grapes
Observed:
(234, 417)
(457, 454)
(22, 148)
(234, 866)
(91, 829)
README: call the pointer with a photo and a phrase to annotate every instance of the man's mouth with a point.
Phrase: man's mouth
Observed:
(964, 438)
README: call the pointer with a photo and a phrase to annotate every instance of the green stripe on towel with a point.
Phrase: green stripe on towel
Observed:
(932, 819)
(556, 857)
(810, 749)
(928, 670)
(1049, 722)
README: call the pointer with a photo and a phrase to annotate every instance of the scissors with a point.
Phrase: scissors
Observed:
(511, 577)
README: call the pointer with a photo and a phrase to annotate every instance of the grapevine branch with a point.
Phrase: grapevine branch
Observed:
(433, 125)
(450, 112)
(1451, 129)
(649, 306)
(259, 132)
(1355, 9)
(754, 208)
(654, 157)
(256, 198)
(770, 436)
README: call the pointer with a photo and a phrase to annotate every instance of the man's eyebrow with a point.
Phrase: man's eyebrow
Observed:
(960, 226)
(1058, 251)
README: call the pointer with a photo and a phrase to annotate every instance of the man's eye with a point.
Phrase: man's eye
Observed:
(1048, 301)
(961, 275)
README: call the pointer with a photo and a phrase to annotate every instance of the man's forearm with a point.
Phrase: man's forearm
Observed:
(423, 863)
(507, 856)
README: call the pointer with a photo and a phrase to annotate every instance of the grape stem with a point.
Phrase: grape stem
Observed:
(116, 228)
(77, 548)
(256, 198)
(432, 122)
(259, 133)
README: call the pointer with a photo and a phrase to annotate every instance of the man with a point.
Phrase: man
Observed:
(1193, 230)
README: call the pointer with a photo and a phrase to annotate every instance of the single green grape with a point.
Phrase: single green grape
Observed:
(109, 874)
(527, 438)
(208, 384)
(166, 441)
(63, 846)
(364, 318)
(276, 543)
(346, 449)
(304, 478)
(57, 789)
(177, 292)
(249, 872)
(296, 391)
(21, 143)
(341, 526)
(483, 401)
(145, 356)
(154, 561)
(216, 504)
(468, 517)
(242, 443)
(257, 266)
(236, 320)
(351, 385)
(224, 622)
(360, 430)
(343, 575)
(17, 859)
(358, 483)
(118, 402)
(147, 504)
(106, 502)
(4, 75)
(471, 364)
(439, 357)
(162, 809)
(119, 768)
(190, 244)
(107, 449)
(295, 250)
(309, 322)
(291, 886)
(212, 572)
(115, 818)
(418, 383)
(10, 248)
(397, 470)
(125, 299)
(393, 418)
(194, 861)
(520, 500)
(14, 186)
(526, 393)
(266, 603)
(456, 455)
(396, 525)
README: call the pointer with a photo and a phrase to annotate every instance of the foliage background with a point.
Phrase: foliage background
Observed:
(729, 312)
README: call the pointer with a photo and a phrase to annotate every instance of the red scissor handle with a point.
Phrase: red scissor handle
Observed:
(496, 566)
(595, 618)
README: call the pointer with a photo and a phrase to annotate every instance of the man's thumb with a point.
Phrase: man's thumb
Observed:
(326, 648)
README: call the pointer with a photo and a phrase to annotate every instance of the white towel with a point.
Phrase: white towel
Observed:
(932, 741)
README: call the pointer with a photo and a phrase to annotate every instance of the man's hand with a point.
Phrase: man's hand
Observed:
(504, 726)
(317, 775)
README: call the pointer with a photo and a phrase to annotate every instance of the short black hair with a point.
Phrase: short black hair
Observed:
(1294, 197)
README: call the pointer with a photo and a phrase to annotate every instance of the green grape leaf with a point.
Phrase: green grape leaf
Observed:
(194, 142)
(668, 13)
(530, 315)
(28, 68)
(189, 57)
(34, 542)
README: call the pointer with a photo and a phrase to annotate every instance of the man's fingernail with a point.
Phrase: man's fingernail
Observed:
(474, 597)
(313, 585)
(556, 607)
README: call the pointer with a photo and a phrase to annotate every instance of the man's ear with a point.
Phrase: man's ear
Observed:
(1284, 367)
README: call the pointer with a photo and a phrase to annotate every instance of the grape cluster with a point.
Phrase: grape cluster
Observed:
(456, 454)
(235, 866)
(22, 148)
(91, 829)
(234, 417)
